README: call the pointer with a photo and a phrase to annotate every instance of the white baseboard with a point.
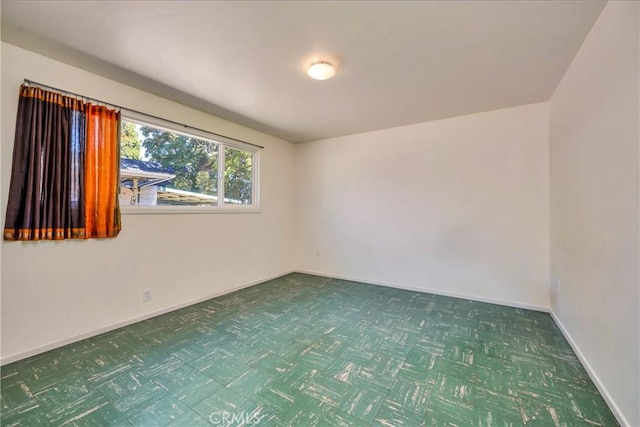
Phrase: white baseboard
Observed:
(430, 291)
(592, 374)
(23, 355)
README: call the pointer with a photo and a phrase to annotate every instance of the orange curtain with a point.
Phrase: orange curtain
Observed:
(102, 165)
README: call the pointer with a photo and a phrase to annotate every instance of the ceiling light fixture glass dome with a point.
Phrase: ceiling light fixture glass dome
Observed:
(321, 70)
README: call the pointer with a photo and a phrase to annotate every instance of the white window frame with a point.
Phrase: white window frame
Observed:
(221, 142)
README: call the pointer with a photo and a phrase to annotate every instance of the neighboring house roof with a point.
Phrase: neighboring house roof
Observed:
(145, 172)
(173, 195)
(143, 165)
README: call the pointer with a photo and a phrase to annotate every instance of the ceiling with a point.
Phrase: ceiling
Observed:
(397, 62)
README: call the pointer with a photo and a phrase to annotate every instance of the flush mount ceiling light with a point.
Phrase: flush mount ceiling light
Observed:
(321, 71)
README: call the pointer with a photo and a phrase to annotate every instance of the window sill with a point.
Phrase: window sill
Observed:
(162, 210)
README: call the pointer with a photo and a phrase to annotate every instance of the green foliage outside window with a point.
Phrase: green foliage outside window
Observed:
(193, 161)
(129, 142)
(237, 175)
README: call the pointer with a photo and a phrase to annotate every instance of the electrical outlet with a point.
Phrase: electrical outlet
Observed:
(146, 295)
(317, 252)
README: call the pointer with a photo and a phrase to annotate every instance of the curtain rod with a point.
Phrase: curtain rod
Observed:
(31, 82)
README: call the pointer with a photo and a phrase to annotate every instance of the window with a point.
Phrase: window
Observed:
(161, 167)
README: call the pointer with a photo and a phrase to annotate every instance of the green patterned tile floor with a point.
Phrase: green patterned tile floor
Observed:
(304, 350)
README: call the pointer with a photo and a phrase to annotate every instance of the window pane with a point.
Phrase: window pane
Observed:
(238, 175)
(159, 167)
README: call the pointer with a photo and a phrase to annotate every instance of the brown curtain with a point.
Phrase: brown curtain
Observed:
(48, 196)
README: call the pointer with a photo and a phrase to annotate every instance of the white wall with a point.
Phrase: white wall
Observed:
(52, 292)
(595, 207)
(457, 206)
